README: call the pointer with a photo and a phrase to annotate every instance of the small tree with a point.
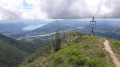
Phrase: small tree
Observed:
(57, 42)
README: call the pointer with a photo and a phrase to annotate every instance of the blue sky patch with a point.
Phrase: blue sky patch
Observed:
(26, 5)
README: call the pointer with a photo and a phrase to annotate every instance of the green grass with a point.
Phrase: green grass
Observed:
(86, 46)
(58, 59)
(101, 54)
(115, 45)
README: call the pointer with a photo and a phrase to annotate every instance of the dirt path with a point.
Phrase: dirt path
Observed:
(114, 58)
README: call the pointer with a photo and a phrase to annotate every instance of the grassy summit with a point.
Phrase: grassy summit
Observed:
(77, 50)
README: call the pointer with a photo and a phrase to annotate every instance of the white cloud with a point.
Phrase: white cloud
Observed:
(36, 12)
(10, 9)
(59, 9)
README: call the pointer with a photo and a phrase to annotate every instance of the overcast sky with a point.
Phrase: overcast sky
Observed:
(58, 9)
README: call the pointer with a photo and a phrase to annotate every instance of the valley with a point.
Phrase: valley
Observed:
(26, 42)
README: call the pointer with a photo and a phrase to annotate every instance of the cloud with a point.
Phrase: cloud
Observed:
(58, 9)
(10, 9)
(77, 9)
(114, 5)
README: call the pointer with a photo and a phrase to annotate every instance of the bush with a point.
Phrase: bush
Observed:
(85, 66)
(78, 60)
(86, 46)
(101, 54)
(117, 43)
(72, 50)
(95, 63)
(58, 59)
(72, 58)
(75, 52)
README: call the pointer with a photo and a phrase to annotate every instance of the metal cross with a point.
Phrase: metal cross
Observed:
(92, 23)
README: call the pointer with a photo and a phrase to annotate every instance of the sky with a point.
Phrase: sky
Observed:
(59, 9)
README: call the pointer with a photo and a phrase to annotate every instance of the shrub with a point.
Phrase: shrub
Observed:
(101, 54)
(72, 50)
(86, 46)
(78, 60)
(75, 52)
(81, 60)
(87, 39)
(58, 59)
(95, 63)
(85, 66)
(117, 43)
(72, 58)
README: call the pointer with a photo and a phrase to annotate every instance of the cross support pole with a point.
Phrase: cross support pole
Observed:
(92, 23)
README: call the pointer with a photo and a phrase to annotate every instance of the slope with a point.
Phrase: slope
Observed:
(12, 52)
(77, 50)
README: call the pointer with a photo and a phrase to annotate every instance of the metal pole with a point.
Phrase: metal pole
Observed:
(92, 23)
(92, 33)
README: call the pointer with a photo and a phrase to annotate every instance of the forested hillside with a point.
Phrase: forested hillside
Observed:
(12, 52)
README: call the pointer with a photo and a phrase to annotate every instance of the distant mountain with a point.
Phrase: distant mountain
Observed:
(107, 28)
(12, 52)
(52, 26)
(9, 27)
(64, 25)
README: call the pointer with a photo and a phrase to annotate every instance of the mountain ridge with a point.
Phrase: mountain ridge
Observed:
(77, 50)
